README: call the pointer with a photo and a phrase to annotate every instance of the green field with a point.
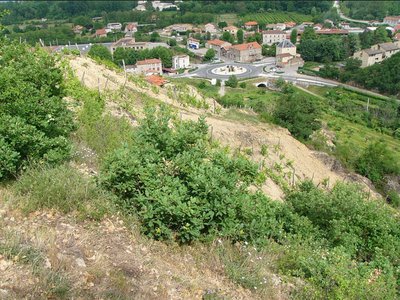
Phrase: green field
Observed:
(276, 17)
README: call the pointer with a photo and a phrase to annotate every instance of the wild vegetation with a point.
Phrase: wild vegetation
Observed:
(183, 187)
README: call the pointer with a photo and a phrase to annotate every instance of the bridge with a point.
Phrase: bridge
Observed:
(298, 80)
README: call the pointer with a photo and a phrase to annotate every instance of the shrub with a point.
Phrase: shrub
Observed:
(243, 85)
(34, 119)
(181, 187)
(232, 81)
(100, 51)
(298, 113)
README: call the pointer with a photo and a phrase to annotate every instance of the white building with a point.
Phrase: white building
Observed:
(180, 62)
(210, 28)
(158, 5)
(114, 26)
(192, 43)
(392, 21)
(271, 37)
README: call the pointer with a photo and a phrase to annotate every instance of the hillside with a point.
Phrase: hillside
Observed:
(236, 134)
(117, 189)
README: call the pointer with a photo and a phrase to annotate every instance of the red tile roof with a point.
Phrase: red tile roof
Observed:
(332, 31)
(274, 32)
(251, 23)
(101, 31)
(148, 61)
(217, 42)
(156, 80)
(242, 47)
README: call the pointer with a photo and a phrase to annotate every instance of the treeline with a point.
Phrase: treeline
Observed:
(243, 7)
(384, 76)
(322, 48)
(28, 10)
(371, 10)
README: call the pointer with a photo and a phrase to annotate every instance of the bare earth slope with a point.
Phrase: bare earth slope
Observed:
(283, 149)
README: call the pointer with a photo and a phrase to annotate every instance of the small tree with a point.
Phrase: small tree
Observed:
(293, 36)
(210, 54)
(240, 36)
(155, 37)
(172, 42)
(222, 24)
(100, 51)
(232, 81)
(226, 36)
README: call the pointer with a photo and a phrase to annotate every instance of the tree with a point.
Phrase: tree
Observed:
(232, 81)
(226, 36)
(222, 24)
(352, 64)
(155, 37)
(210, 54)
(240, 36)
(298, 113)
(293, 36)
(172, 42)
(100, 51)
(308, 34)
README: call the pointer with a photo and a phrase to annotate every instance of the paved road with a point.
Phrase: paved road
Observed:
(342, 16)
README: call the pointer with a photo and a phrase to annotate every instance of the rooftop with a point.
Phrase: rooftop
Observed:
(286, 44)
(389, 46)
(148, 61)
(124, 42)
(371, 52)
(251, 23)
(242, 47)
(217, 42)
(273, 32)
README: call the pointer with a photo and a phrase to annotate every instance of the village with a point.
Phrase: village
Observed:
(272, 46)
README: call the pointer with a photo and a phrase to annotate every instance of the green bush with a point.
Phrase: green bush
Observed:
(183, 188)
(62, 188)
(34, 120)
(298, 113)
(232, 81)
(376, 161)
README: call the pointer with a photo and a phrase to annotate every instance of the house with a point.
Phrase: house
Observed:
(114, 26)
(279, 26)
(128, 42)
(396, 28)
(148, 67)
(329, 22)
(158, 5)
(140, 7)
(251, 25)
(180, 62)
(389, 48)
(271, 37)
(231, 29)
(193, 43)
(131, 27)
(290, 24)
(211, 28)
(248, 52)
(344, 25)
(305, 24)
(101, 33)
(392, 20)
(78, 29)
(318, 26)
(369, 57)
(179, 27)
(97, 19)
(217, 45)
(286, 55)
(332, 32)
(156, 80)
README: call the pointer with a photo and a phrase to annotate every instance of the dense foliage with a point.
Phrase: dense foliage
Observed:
(384, 77)
(372, 10)
(298, 113)
(34, 120)
(183, 187)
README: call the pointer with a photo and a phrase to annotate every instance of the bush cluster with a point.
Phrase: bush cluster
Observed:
(34, 119)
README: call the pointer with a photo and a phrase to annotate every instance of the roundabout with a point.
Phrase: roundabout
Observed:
(224, 70)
